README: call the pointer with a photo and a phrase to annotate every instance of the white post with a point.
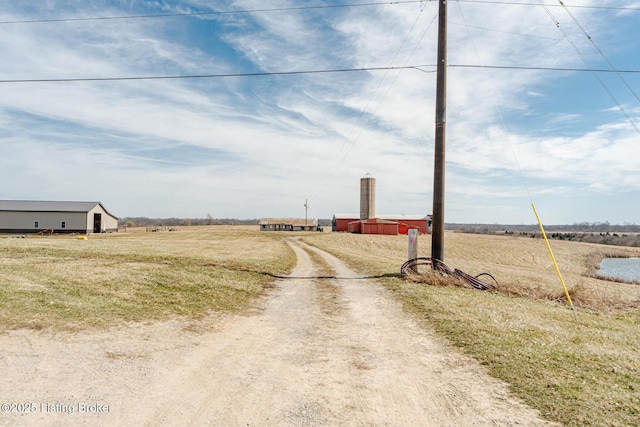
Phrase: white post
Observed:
(413, 243)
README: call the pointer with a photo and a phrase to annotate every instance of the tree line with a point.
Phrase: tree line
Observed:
(185, 222)
(600, 232)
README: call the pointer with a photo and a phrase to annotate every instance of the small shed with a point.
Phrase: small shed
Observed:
(288, 224)
(421, 222)
(374, 226)
(31, 217)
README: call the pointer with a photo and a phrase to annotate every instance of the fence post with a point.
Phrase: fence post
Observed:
(413, 243)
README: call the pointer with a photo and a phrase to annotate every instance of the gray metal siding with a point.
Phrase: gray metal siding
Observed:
(46, 221)
(20, 216)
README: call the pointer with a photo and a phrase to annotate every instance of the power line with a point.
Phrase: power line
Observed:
(515, 67)
(504, 32)
(593, 42)
(299, 8)
(497, 107)
(524, 3)
(587, 63)
(300, 72)
(227, 12)
(350, 142)
(203, 76)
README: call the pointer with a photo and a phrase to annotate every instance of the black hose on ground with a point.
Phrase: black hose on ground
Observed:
(416, 265)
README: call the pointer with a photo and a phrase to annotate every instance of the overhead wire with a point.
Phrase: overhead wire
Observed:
(341, 157)
(588, 65)
(200, 76)
(296, 72)
(495, 102)
(362, 69)
(515, 155)
(293, 8)
(224, 12)
(600, 52)
(528, 3)
(505, 32)
(569, 69)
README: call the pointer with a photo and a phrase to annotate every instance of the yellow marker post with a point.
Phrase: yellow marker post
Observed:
(544, 235)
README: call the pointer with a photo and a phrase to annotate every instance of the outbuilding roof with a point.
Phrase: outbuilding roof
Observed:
(388, 217)
(48, 206)
(288, 221)
(403, 217)
(346, 216)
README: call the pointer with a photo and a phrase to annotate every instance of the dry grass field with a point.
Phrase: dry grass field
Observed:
(64, 283)
(578, 373)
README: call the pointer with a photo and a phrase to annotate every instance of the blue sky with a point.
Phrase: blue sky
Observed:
(259, 146)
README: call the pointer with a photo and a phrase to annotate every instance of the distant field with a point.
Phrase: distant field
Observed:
(579, 373)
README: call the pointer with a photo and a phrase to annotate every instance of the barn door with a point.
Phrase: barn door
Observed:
(97, 222)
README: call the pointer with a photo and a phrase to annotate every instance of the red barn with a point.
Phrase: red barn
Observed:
(382, 224)
(341, 221)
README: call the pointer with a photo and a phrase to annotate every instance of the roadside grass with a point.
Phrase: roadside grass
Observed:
(63, 283)
(584, 373)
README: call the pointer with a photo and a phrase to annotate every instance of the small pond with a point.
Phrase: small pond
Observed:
(621, 268)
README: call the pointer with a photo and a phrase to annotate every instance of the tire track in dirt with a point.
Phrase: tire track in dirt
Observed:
(334, 351)
(405, 375)
(323, 350)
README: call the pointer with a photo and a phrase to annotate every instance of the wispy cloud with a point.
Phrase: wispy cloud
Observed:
(259, 146)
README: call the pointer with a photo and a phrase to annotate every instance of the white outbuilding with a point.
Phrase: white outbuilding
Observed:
(31, 217)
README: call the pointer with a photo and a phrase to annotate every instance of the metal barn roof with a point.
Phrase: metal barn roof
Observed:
(48, 206)
(290, 221)
(388, 217)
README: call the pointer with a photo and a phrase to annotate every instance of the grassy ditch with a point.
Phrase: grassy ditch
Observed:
(63, 283)
(577, 373)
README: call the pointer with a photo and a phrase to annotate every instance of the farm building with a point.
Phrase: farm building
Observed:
(30, 217)
(381, 224)
(288, 224)
(370, 223)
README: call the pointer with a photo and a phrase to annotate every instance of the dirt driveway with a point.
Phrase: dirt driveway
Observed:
(323, 350)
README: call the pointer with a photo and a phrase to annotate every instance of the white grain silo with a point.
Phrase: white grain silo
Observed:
(367, 197)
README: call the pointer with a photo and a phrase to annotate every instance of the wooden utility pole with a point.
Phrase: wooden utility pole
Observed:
(437, 227)
(306, 209)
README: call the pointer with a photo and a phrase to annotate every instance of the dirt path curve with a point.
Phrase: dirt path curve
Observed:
(324, 351)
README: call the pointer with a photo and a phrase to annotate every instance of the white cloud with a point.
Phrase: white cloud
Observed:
(258, 146)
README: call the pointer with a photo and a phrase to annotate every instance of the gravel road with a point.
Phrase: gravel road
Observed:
(322, 350)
